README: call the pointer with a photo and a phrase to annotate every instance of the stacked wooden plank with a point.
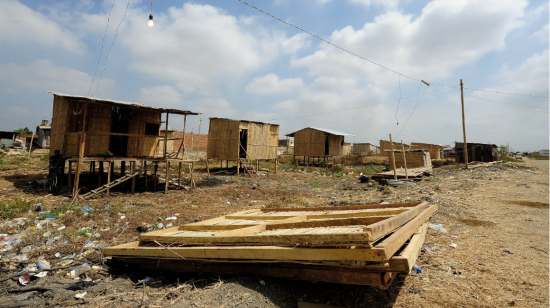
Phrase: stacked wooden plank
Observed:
(366, 244)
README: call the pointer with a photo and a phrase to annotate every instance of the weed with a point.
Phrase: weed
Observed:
(16, 208)
(282, 187)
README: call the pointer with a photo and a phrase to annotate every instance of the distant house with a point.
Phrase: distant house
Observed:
(7, 138)
(435, 149)
(365, 148)
(286, 146)
(449, 152)
(43, 133)
(544, 153)
(480, 152)
(318, 142)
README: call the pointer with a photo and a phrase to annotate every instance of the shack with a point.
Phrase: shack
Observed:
(242, 141)
(320, 143)
(43, 132)
(93, 130)
(7, 138)
(481, 152)
(414, 159)
(435, 149)
(365, 149)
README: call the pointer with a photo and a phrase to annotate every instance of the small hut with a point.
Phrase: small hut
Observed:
(481, 152)
(365, 149)
(414, 159)
(102, 131)
(435, 149)
(319, 143)
(43, 133)
(242, 141)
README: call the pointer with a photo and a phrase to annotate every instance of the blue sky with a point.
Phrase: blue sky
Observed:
(224, 59)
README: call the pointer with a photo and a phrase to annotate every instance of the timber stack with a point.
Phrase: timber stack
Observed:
(363, 244)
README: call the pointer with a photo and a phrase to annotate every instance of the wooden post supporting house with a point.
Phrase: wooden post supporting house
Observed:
(405, 160)
(165, 157)
(81, 151)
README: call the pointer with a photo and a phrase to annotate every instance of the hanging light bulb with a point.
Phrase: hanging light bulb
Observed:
(150, 23)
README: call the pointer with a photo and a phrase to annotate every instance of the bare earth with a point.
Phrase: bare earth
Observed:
(497, 217)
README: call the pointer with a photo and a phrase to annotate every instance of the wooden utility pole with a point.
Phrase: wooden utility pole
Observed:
(405, 160)
(80, 152)
(464, 124)
(166, 157)
(393, 159)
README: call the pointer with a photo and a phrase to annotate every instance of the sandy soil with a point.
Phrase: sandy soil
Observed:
(497, 217)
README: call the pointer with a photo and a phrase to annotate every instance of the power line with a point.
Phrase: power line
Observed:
(112, 43)
(328, 42)
(399, 102)
(512, 105)
(363, 106)
(102, 44)
(508, 93)
(418, 99)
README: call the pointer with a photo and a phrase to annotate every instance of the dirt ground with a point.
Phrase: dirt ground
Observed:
(497, 216)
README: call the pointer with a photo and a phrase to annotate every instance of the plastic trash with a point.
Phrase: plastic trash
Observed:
(428, 250)
(25, 279)
(144, 280)
(80, 295)
(22, 258)
(141, 229)
(160, 225)
(87, 210)
(122, 217)
(416, 269)
(37, 207)
(169, 225)
(171, 218)
(57, 255)
(43, 264)
(76, 271)
(453, 245)
(61, 228)
(46, 234)
(437, 228)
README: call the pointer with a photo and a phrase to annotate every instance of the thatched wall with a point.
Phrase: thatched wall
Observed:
(311, 142)
(435, 150)
(346, 149)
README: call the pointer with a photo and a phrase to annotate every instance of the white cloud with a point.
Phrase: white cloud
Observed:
(382, 3)
(445, 36)
(271, 84)
(44, 75)
(20, 24)
(160, 96)
(542, 34)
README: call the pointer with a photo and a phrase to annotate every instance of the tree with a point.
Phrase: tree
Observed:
(24, 131)
(502, 149)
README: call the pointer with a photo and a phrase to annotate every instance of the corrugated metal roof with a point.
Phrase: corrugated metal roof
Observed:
(113, 102)
(330, 131)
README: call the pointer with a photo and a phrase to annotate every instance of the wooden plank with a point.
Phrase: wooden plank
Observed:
(327, 223)
(343, 208)
(364, 213)
(333, 275)
(251, 253)
(405, 261)
(386, 226)
(399, 237)
(216, 219)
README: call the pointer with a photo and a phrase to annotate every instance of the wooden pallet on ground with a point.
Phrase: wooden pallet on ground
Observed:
(349, 244)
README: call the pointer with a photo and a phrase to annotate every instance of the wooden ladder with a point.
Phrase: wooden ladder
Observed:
(245, 161)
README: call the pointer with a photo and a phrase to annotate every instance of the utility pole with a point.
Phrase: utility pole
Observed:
(464, 124)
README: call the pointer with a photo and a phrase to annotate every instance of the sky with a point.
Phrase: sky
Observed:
(224, 58)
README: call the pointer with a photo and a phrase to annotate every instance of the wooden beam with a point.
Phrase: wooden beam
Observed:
(109, 170)
(167, 179)
(179, 175)
(251, 252)
(393, 159)
(384, 227)
(343, 208)
(399, 237)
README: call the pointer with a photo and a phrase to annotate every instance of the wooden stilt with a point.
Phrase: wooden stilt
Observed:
(191, 168)
(207, 167)
(70, 174)
(238, 166)
(145, 172)
(276, 165)
(179, 175)
(110, 169)
(100, 174)
(167, 177)
(133, 168)
(257, 165)
(227, 164)
(393, 159)
(122, 173)
(81, 151)
(155, 176)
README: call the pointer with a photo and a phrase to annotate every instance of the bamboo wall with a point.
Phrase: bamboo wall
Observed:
(311, 142)
(435, 150)
(414, 159)
(385, 146)
(346, 149)
(223, 139)
(66, 127)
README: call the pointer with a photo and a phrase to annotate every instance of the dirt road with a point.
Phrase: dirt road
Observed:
(497, 217)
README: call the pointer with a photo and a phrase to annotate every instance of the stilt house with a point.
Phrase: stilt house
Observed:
(476, 152)
(319, 143)
(242, 141)
(98, 130)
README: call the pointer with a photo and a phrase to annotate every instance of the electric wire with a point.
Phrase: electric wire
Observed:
(399, 102)
(110, 47)
(512, 105)
(508, 93)
(327, 41)
(418, 100)
(102, 45)
(363, 106)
